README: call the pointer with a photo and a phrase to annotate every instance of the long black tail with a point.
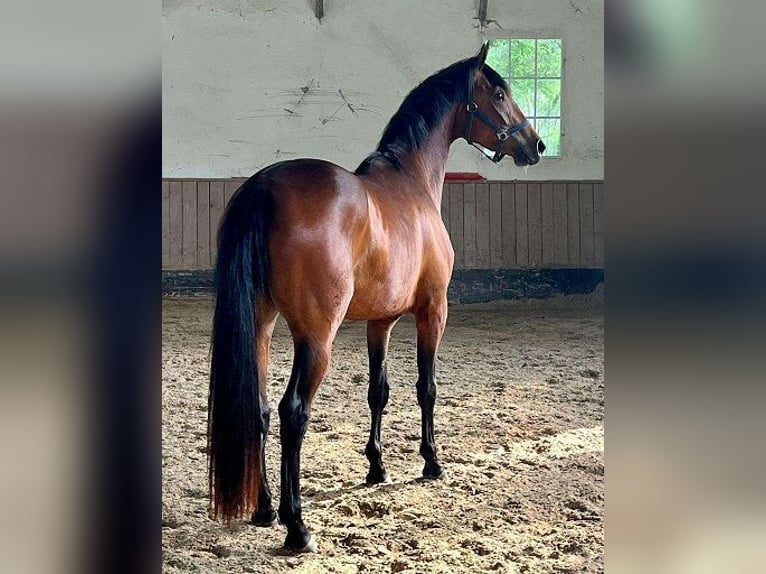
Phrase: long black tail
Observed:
(235, 426)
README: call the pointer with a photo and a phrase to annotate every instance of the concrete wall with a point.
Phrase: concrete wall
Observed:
(250, 82)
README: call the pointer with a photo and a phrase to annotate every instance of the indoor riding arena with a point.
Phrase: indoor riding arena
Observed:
(519, 372)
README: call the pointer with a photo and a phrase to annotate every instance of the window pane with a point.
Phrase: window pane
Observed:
(498, 57)
(548, 98)
(550, 133)
(549, 58)
(523, 93)
(522, 58)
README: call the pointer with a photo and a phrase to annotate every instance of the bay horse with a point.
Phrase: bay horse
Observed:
(320, 244)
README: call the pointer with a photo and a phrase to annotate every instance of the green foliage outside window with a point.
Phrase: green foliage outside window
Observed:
(532, 68)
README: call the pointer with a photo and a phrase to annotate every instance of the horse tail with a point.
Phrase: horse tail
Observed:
(235, 426)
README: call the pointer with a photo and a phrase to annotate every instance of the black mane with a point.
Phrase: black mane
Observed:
(424, 109)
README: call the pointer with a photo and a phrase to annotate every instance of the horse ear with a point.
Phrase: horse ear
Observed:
(482, 55)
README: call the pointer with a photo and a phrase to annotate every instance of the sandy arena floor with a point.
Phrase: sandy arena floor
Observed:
(519, 425)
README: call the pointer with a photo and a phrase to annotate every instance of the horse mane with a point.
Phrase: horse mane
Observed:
(424, 109)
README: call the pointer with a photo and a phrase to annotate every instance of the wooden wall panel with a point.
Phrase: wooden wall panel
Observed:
(495, 226)
(469, 225)
(165, 224)
(230, 186)
(573, 224)
(587, 242)
(217, 203)
(456, 223)
(509, 225)
(560, 253)
(203, 225)
(492, 225)
(482, 226)
(176, 218)
(598, 214)
(522, 230)
(546, 216)
(189, 225)
(534, 225)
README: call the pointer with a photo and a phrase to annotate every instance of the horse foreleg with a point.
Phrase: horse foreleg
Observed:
(431, 320)
(378, 333)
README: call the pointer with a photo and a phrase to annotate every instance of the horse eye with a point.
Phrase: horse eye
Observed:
(499, 96)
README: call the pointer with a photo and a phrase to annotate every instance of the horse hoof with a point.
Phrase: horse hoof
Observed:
(263, 519)
(378, 478)
(310, 547)
(435, 473)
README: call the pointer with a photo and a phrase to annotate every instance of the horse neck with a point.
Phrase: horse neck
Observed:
(429, 161)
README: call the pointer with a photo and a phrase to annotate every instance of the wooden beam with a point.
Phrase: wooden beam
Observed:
(319, 8)
(483, 13)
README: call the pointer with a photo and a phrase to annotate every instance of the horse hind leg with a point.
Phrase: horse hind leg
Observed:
(312, 291)
(312, 359)
(266, 318)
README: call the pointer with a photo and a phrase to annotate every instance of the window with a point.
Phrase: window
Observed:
(532, 67)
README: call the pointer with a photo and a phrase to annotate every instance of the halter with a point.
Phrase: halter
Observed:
(502, 133)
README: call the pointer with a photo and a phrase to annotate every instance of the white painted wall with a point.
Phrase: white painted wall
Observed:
(231, 69)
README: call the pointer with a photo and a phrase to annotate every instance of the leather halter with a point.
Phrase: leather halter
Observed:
(472, 109)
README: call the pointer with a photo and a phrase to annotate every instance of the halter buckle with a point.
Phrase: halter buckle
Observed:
(472, 107)
(502, 135)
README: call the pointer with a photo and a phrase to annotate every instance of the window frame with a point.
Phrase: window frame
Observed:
(504, 35)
